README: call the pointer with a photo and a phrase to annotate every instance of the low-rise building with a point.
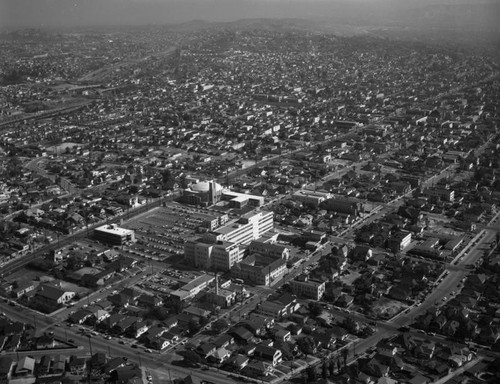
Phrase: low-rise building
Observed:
(191, 289)
(114, 235)
(269, 249)
(222, 297)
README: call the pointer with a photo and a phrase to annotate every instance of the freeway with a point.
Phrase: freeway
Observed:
(45, 114)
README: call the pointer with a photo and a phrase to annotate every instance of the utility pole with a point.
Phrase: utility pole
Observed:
(90, 345)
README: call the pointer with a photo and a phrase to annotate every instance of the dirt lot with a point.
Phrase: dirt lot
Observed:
(386, 308)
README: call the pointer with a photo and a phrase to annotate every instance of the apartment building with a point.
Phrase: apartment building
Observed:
(260, 270)
(303, 287)
(441, 193)
(399, 241)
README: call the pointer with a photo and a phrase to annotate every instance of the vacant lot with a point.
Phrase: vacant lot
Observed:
(386, 308)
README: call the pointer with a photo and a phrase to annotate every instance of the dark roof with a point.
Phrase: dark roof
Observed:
(241, 332)
(51, 293)
(5, 365)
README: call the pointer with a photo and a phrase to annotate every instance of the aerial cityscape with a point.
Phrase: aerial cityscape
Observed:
(257, 199)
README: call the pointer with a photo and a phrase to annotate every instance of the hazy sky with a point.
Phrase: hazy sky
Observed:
(39, 13)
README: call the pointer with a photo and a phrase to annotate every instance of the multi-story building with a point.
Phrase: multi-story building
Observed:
(399, 241)
(249, 227)
(220, 255)
(112, 234)
(441, 193)
(224, 255)
(303, 287)
(220, 249)
(278, 307)
(261, 270)
(213, 221)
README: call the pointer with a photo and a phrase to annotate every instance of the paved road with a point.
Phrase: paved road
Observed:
(450, 280)
(18, 263)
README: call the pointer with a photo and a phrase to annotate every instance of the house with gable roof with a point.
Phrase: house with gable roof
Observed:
(220, 355)
(267, 353)
(53, 296)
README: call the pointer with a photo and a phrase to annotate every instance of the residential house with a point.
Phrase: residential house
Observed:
(25, 366)
(21, 288)
(270, 354)
(220, 355)
(6, 364)
(223, 340)
(239, 361)
(149, 301)
(206, 349)
(53, 296)
(80, 316)
(240, 333)
(44, 342)
(258, 368)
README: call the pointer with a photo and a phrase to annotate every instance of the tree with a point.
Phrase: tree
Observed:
(311, 374)
(331, 367)
(161, 313)
(193, 326)
(166, 175)
(175, 305)
(192, 358)
(315, 308)
(345, 353)
(306, 345)
(324, 369)
(351, 325)
(219, 326)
